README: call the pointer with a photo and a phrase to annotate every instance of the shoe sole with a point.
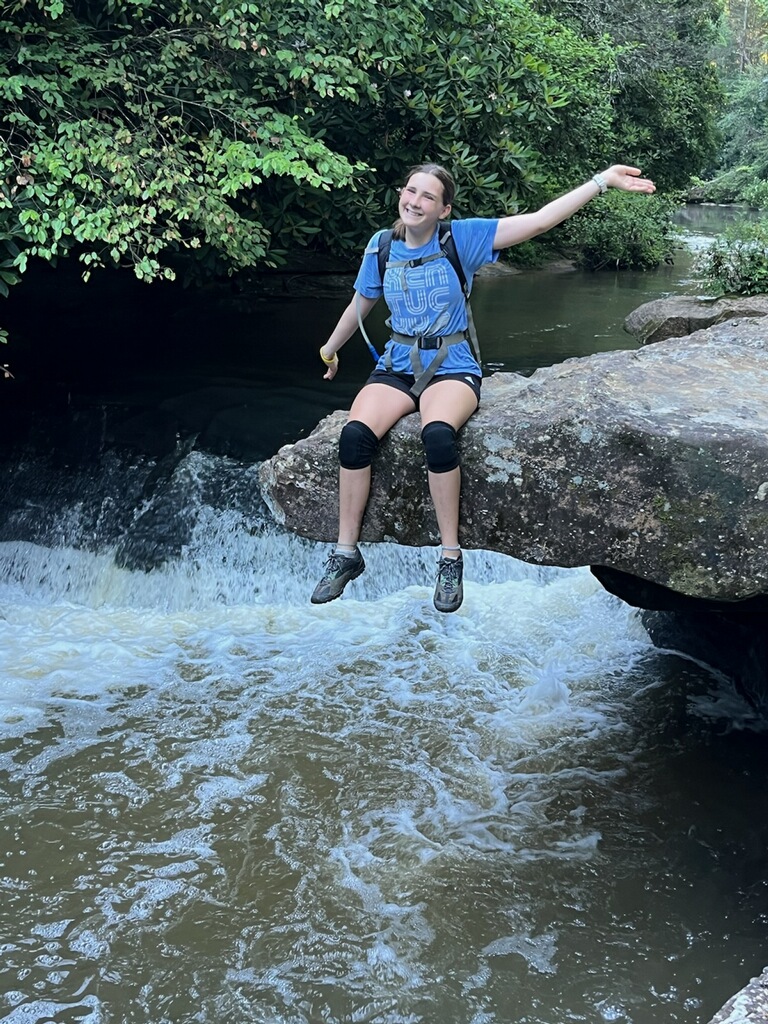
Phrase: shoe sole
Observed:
(446, 608)
(335, 597)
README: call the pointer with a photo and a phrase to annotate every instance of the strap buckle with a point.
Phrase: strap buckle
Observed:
(430, 341)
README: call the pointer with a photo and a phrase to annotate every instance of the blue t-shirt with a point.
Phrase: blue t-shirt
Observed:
(428, 299)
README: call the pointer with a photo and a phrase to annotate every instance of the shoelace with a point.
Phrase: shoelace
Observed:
(448, 573)
(335, 563)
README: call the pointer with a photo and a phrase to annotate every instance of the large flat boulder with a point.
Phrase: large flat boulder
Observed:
(652, 462)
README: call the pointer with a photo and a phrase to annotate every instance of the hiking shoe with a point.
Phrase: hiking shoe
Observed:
(449, 592)
(339, 570)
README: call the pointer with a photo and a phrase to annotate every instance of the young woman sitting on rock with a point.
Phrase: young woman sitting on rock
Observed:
(428, 364)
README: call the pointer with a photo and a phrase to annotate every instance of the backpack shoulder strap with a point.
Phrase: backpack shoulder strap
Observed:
(381, 250)
(448, 245)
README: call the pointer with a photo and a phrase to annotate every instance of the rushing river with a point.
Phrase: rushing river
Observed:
(223, 805)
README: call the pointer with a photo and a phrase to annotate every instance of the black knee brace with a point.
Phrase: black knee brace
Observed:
(357, 445)
(439, 440)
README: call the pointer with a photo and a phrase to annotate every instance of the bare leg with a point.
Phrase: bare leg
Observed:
(452, 402)
(379, 406)
(445, 489)
(354, 488)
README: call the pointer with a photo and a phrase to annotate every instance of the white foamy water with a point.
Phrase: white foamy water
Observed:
(221, 803)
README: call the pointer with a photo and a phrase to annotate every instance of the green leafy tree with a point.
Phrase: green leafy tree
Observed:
(137, 131)
(745, 121)
(133, 130)
(739, 54)
(516, 105)
(667, 95)
(222, 134)
(622, 232)
(741, 41)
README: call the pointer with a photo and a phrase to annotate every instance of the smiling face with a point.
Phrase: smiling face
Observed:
(422, 204)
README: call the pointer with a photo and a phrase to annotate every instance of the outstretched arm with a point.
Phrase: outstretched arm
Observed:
(522, 226)
(342, 332)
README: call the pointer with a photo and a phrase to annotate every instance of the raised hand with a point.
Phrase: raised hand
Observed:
(627, 178)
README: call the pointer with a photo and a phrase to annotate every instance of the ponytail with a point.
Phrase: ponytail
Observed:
(398, 230)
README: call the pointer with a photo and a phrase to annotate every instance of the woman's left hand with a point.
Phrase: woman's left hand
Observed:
(331, 365)
(627, 178)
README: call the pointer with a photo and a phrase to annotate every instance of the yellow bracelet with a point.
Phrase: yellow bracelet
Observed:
(328, 362)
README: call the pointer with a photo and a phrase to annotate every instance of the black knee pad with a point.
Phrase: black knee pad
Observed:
(357, 445)
(440, 447)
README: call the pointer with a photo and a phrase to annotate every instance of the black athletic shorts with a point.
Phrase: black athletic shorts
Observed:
(404, 381)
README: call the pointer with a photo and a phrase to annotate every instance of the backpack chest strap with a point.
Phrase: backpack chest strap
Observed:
(416, 262)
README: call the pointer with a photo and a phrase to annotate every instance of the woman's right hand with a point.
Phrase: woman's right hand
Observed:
(331, 365)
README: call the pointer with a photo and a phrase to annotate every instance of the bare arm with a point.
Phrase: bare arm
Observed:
(343, 331)
(522, 226)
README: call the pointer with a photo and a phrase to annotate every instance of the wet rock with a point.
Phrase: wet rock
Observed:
(750, 1006)
(161, 526)
(654, 463)
(680, 315)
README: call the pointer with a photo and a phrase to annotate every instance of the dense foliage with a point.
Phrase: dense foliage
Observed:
(219, 134)
(737, 263)
(740, 54)
(135, 130)
(622, 232)
(478, 86)
(745, 122)
(666, 91)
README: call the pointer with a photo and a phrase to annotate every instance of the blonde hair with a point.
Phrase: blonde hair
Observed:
(446, 180)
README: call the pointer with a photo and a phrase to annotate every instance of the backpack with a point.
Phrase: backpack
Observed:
(447, 250)
(447, 246)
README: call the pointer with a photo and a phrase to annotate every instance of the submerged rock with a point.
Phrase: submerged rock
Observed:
(650, 462)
